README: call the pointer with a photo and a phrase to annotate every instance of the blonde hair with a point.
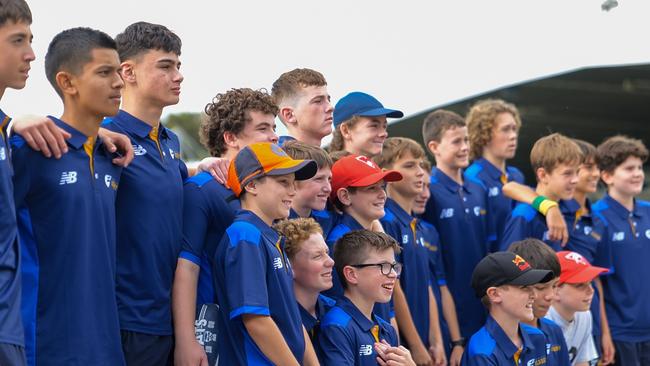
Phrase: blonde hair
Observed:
(481, 121)
(394, 149)
(296, 232)
(338, 143)
(553, 150)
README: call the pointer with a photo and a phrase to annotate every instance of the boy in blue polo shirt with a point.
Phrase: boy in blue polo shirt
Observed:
(625, 247)
(312, 195)
(68, 271)
(304, 103)
(259, 320)
(457, 208)
(555, 160)
(233, 120)
(493, 126)
(424, 339)
(360, 124)
(504, 282)
(351, 333)
(150, 202)
(541, 256)
(358, 192)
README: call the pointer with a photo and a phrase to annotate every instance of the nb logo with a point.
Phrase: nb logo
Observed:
(277, 263)
(619, 236)
(365, 350)
(446, 213)
(405, 239)
(68, 178)
(138, 150)
(493, 192)
(3, 153)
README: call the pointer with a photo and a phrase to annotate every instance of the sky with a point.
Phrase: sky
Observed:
(410, 55)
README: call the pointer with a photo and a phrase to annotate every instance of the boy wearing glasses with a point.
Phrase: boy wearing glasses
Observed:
(351, 334)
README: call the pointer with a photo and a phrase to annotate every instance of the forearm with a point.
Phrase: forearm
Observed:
(449, 313)
(519, 192)
(184, 300)
(268, 338)
(404, 319)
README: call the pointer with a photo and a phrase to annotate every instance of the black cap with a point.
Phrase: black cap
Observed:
(505, 268)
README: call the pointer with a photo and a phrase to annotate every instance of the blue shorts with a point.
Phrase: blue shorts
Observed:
(147, 349)
(632, 353)
(11, 354)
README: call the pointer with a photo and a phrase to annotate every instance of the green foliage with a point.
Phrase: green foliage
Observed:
(186, 126)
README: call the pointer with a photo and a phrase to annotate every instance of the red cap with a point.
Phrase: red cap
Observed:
(359, 171)
(576, 269)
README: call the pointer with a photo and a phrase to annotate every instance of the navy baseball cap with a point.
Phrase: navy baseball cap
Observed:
(361, 104)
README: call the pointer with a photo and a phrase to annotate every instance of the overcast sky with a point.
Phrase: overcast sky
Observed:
(410, 55)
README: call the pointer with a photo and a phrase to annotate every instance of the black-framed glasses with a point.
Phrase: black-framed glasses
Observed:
(385, 267)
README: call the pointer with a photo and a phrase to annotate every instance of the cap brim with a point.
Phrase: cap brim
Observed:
(532, 277)
(303, 169)
(586, 275)
(388, 176)
(391, 113)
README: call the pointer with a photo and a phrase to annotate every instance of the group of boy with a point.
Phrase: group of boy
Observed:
(152, 241)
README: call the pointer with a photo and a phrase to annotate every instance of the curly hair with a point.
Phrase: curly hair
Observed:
(481, 121)
(229, 112)
(288, 84)
(296, 231)
(615, 150)
(338, 143)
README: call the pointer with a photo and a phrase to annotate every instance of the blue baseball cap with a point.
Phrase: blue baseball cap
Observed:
(361, 104)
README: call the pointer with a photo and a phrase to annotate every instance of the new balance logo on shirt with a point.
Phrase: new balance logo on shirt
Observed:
(68, 178)
(365, 350)
(619, 236)
(3, 154)
(138, 150)
(447, 213)
(277, 263)
(493, 192)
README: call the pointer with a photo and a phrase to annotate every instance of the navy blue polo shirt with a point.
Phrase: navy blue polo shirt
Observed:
(347, 223)
(557, 352)
(526, 222)
(347, 337)
(312, 324)
(208, 209)
(491, 346)
(253, 276)
(11, 327)
(491, 179)
(459, 214)
(625, 250)
(149, 225)
(325, 218)
(66, 222)
(283, 140)
(415, 278)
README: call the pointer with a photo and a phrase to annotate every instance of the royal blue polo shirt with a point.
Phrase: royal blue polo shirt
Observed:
(557, 352)
(149, 225)
(491, 346)
(347, 223)
(415, 278)
(526, 222)
(253, 276)
(312, 323)
(325, 218)
(459, 214)
(491, 179)
(347, 337)
(283, 140)
(66, 222)
(11, 327)
(625, 250)
(208, 209)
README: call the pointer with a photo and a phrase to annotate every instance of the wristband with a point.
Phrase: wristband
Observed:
(546, 205)
(461, 342)
(537, 201)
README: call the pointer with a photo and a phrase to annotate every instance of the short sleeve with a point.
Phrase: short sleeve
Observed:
(337, 346)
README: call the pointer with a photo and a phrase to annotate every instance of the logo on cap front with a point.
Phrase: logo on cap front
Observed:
(576, 258)
(520, 263)
(367, 161)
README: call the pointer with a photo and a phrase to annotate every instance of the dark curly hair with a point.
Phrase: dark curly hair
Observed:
(616, 149)
(229, 112)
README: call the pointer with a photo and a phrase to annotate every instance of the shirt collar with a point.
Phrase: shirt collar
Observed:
(494, 172)
(397, 210)
(77, 138)
(502, 339)
(350, 222)
(446, 181)
(364, 323)
(135, 125)
(569, 207)
(252, 218)
(619, 210)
